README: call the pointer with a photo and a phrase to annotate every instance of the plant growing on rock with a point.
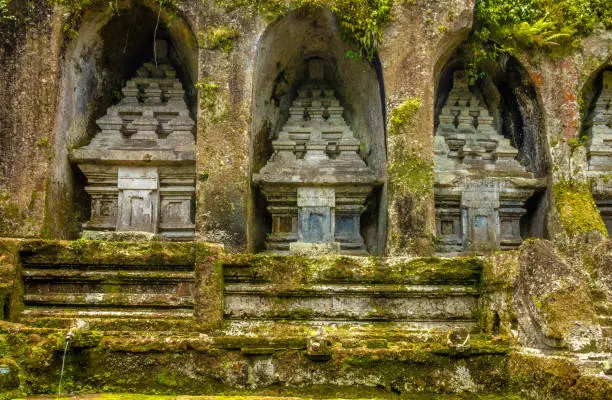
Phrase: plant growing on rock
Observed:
(505, 27)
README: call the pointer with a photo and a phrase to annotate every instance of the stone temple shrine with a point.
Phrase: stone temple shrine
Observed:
(316, 183)
(140, 167)
(480, 187)
(306, 199)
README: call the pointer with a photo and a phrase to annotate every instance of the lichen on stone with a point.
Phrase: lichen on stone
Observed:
(403, 115)
(219, 38)
(577, 209)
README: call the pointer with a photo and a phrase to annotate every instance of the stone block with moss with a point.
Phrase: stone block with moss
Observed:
(577, 210)
(209, 287)
(552, 301)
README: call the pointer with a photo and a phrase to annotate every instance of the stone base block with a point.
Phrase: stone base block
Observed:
(313, 249)
(125, 236)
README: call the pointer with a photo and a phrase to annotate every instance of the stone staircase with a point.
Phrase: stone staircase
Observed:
(109, 297)
(418, 293)
(155, 294)
(605, 321)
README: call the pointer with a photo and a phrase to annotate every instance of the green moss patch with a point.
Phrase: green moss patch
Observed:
(403, 115)
(289, 271)
(220, 38)
(411, 174)
(110, 253)
(540, 377)
(577, 209)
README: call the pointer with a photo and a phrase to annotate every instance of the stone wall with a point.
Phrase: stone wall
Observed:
(56, 83)
(30, 54)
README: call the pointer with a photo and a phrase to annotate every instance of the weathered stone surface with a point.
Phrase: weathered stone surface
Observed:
(9, 374)
(30, 55)
(599, 147)
(552, 301)
(209, 287)
(410, 73)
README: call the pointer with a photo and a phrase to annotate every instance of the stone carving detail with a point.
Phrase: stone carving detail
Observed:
(316, 184)
(140, 167)
(600, 150)
(480, 188)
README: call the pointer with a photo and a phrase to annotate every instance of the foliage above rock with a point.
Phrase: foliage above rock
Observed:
(361, 21)
(504, 27)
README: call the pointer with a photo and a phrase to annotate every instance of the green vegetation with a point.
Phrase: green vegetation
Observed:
(412, 174)
(403, 115)
(360, 21)
(220, 38)
(208, 92)
(577, 209)
(506, 27)
(5, 14)
(78, 7)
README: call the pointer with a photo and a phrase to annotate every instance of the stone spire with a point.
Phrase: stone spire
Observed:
(466, 134)
(480, 189)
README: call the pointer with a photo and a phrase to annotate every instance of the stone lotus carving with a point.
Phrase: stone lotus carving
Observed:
(140, 167)
(316, 184)
(600, 150)
(480, 188)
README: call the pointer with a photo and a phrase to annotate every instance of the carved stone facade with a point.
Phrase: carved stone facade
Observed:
(140, 167)
(480, 188)
(315, 183)
(600, 150)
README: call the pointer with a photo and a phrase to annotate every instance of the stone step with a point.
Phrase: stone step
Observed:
(603, 308)
(351, 302)
(412, 331)
(107, 275)
(408, 271)
(109, 297)
(92, 298)
(110, 318)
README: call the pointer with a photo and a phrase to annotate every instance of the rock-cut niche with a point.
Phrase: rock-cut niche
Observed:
(597, 128)
(140, 162)
(489, 164)
(318, 153)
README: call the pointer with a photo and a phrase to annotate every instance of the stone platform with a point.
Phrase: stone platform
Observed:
(186, 318)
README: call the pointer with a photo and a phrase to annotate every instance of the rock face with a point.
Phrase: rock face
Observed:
(600, 149)
(480, 188)
(553, 302)
(316, 183)
(140, 166)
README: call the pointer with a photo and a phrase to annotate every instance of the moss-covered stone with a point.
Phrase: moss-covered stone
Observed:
(552, 300)
(577, 209)
(403, 115)
(591, 387)
(95, 252)
(540, 377)
(219, 38)
(11, 286)
(288, 271)
(209, 287)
